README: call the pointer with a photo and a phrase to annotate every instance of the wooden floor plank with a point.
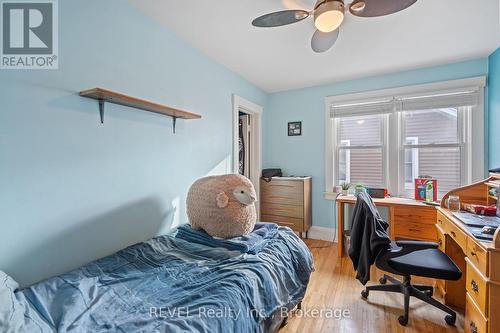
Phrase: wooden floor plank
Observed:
(333, 286)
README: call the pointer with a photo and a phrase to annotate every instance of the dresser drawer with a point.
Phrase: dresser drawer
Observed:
(477, 255)
(282, 192)
(413, 230)
(275, 209)
(291, 222)
(475, 322)
(477, 287)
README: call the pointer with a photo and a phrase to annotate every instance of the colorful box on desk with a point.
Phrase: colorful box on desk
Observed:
(421, 188)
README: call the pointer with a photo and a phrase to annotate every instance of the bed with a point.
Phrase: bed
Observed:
(166, 284)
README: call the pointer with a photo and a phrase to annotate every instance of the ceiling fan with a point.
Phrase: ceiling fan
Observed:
(329, 15)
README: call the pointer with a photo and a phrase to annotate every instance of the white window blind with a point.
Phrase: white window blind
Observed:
(363, 108)
(439, 100)
(423, 101)
(430, 140)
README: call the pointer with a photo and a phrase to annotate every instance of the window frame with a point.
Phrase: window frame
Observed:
(474, 154)
(414, 157)
(347, 161)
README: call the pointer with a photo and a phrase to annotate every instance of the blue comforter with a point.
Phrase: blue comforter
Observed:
(251, 243)
(166, 285)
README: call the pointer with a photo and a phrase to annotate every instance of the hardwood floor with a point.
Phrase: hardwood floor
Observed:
(333, 286)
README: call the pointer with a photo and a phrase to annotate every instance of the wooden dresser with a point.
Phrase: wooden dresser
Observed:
(287, 201)
(478, 291)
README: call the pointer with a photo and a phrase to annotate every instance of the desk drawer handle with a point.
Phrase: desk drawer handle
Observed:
(474, 286)
(440, 242)
(472, 253)
(453, 234)
(473, 327)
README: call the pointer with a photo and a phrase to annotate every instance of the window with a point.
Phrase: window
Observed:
(361, 150)
(432, 146)
(389, 138)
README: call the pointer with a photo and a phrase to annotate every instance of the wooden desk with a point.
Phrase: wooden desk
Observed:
(408, 219)
(478, 291)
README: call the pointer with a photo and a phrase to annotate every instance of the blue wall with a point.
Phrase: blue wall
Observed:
(304, 155)
(494, 109)
(73, 190)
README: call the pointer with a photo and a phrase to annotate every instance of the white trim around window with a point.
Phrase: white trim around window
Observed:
(471, 121)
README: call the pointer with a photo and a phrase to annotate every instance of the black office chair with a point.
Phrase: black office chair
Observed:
(405, 258)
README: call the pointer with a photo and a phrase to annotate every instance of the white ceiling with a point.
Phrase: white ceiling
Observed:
(431, 32)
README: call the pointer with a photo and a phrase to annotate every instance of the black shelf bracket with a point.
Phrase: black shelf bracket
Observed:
(101, 110)
(174, 122)
(101, 114)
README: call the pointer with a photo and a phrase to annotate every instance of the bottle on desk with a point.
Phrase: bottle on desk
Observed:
(429, 192)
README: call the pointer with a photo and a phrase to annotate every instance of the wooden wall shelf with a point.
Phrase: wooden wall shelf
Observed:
(103, 95)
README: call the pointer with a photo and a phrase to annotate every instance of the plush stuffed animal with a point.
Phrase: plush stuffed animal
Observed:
(223, 206)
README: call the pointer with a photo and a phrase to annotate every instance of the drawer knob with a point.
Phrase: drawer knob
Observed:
(472, 253)
(453, 234)
(440, 242)
(474, 286)
(473, 327)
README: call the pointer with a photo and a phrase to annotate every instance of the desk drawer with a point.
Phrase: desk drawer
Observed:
(413, 230)
(475, 322)
(282, 192)
(282, 210)
(442, 221)
(422, 215)
(477, 287)
(456, 234)
(477, 255)
(441, 239)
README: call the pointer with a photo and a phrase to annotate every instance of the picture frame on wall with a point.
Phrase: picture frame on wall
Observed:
(294, 128)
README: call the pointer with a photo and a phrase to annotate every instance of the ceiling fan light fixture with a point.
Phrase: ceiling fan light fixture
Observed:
(358, 6)
(329, 15)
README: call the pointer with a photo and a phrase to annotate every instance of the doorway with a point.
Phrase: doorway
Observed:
(247, 148)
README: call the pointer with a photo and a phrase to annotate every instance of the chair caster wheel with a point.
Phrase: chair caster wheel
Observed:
(450, 320)
(403, 320)
(382, 280)
(364, 294)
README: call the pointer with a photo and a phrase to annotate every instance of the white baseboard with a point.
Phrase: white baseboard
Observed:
(321, 233)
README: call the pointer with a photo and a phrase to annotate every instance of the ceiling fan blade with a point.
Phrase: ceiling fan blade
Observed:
(323, 41)
(373, 8)
(277, 19)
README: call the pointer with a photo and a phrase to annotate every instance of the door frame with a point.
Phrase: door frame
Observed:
(255, 113)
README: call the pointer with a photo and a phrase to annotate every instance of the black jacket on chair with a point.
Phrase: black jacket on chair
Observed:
(368, 236)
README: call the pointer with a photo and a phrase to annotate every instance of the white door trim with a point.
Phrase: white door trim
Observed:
(255, 112)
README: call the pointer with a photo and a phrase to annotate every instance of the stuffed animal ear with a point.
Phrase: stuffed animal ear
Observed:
(222, 200)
